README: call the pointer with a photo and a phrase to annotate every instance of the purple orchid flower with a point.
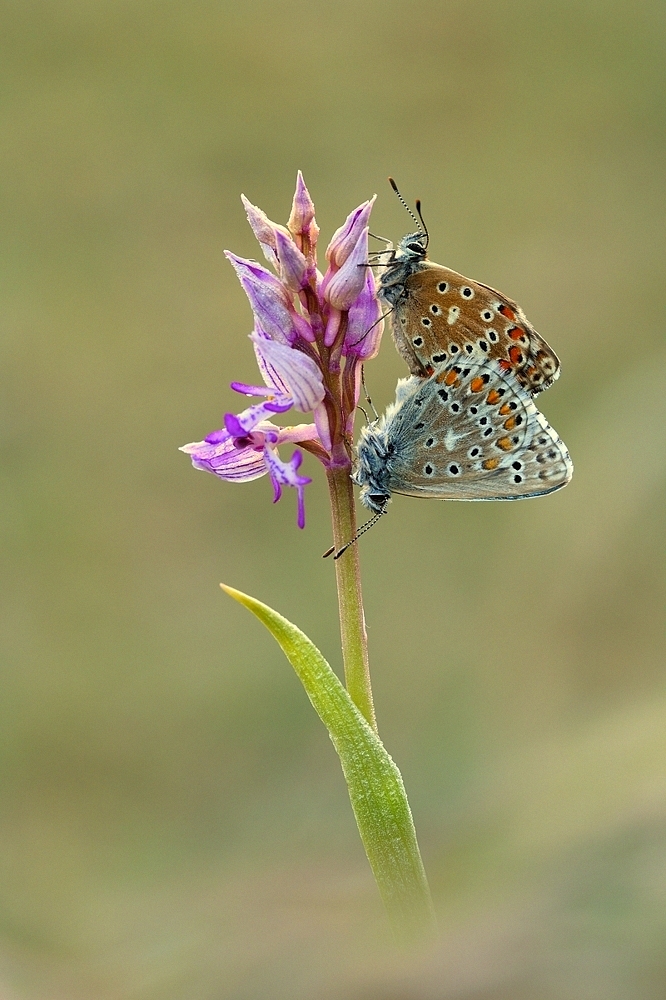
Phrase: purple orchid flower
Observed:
(311, 334)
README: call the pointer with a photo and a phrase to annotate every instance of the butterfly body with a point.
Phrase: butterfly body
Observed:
(469, 431)
(439, 315)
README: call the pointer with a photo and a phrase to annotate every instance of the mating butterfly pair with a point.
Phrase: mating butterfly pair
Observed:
(464, 426)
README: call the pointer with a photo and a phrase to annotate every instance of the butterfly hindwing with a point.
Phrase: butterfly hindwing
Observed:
(469, 431)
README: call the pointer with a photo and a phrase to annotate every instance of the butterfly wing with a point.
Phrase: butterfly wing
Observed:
(440, 314)
(471, 432)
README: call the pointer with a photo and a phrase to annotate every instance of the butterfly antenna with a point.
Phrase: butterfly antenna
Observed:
(405, 205)
(425, 228)
(361, 531)
(367, 397)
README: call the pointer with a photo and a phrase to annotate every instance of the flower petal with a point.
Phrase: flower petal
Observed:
(299, 432)
(268, 299)
(238, 425)
(295, 370)
(251, 390)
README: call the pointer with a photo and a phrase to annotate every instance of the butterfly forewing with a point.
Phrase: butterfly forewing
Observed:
(439, 315)
(470, 431)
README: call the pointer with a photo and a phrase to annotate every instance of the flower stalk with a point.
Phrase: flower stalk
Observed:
(350, 599)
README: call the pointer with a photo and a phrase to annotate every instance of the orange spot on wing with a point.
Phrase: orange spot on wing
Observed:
(477, 384)
(504, 443)
(451, 377)
(516, 354)
(509, 424)
(515, 332)
(491, 463)
(505, 365)
(493, 397)
(505, 409)
(507, 311)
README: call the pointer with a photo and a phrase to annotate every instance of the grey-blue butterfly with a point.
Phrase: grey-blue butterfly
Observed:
(469, 431)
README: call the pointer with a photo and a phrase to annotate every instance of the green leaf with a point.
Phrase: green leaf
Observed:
(375, 785)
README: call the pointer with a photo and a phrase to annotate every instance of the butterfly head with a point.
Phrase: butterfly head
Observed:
(413, 246)
(371, 471)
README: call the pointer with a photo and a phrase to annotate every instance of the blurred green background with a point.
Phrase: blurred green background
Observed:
(174, 822)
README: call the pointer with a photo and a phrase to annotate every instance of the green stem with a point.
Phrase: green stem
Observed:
(350, 598)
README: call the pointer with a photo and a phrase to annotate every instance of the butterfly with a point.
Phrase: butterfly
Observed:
(438, 314)
(469, 431)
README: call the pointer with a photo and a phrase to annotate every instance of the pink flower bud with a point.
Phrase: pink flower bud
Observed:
(294, 269)
(265, 230)
(346, 237)
(302, 224)
(345, 285)
(364, 323)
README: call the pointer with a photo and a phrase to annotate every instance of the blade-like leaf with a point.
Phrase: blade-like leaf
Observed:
(375, 786)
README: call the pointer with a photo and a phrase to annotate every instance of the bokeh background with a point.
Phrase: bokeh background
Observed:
(174, 822)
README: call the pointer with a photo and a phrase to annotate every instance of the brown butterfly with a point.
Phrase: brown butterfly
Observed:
(438, 315)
